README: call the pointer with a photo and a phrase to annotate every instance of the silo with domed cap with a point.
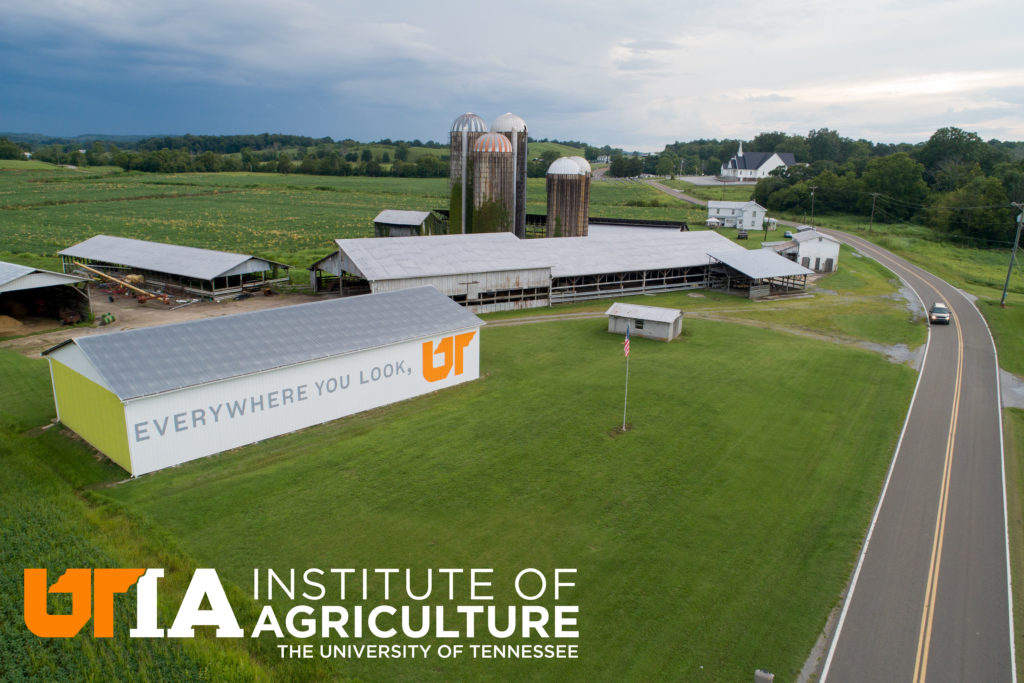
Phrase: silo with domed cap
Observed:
(514, 128)
(493, 184)
(568, 184)
(465, 131)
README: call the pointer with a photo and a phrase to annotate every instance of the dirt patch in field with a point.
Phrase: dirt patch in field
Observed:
(130, 314)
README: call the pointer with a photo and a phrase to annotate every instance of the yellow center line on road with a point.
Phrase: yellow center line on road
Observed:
(928, 610)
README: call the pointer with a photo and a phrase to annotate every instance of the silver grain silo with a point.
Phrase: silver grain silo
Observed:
(465, 131)
(493, 184)
(568, 192)
(585, 165)
(514, 128)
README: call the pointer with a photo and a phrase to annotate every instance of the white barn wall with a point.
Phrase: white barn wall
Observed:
(179, 426)
(821, 248)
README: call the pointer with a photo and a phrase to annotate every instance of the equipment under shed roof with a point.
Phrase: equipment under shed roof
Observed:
(222, 270)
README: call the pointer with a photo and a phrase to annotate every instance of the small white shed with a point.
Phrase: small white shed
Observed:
(652, 322)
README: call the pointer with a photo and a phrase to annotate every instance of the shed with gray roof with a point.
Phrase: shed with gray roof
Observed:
(27, 292)
(176, 269)
(154, 397)
(652, 322)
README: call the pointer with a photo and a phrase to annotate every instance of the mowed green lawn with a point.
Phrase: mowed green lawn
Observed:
(710, 540)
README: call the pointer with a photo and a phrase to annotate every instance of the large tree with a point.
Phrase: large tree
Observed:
(900, 179)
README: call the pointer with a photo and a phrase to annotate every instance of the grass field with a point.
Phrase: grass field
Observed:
(709, 541)
(727, 193)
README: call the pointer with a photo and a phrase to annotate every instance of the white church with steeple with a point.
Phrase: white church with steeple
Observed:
(754, 165)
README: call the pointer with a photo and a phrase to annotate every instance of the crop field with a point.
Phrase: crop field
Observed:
(290, 218)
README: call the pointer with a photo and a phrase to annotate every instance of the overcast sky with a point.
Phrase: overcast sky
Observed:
(636, 75)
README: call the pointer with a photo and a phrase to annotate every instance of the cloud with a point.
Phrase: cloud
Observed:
(596, 70)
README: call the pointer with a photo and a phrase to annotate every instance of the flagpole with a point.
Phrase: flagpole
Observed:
(625, 401)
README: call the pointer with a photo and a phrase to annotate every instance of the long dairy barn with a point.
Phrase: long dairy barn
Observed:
(155, 397)
(498, 271)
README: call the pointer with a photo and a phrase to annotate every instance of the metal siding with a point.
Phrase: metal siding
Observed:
(92, 412)
(203, 428)
(33, 279)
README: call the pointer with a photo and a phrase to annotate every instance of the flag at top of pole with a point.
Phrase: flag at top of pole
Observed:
(625, 344)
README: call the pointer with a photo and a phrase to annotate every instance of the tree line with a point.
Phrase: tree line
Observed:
(954, 183)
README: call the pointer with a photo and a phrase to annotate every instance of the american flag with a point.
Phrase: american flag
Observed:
(625, 344)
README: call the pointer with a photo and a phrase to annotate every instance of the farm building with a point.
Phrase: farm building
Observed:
(760, 272)
(740, 215)
(27, 293)
(393, 223)
(751, 166)
(501, 272)
(652, 322)
(155, 397)
(174, 269)
(811, 249)
(487, 271)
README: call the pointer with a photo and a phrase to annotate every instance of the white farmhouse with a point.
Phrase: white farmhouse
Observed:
(811, 249)
(750, 166)
(741, 215)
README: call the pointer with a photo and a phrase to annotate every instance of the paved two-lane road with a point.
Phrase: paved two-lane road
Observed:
(929, 598)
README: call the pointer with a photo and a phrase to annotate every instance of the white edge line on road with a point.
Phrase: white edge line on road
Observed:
(885, 488)
(1006, 512)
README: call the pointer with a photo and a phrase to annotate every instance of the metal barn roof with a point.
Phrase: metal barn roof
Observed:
(811, 234)
(409, 257)
(154, 360)
(635, 311)
(715, 204)
(395, 217)
(759, 264)
(613, 253)
(202, 264)
(14, 277)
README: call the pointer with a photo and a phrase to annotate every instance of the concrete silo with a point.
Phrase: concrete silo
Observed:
(514, 128)
(568, 195)
(465, 132)
(585, 166)
(494, 187)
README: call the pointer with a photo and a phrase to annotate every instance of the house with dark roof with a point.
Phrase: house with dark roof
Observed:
(751, 166)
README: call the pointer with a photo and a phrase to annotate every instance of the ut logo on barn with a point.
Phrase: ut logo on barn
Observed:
(81, 584)
(451, 349)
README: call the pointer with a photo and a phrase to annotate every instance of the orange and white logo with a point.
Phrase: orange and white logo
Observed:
(452, 350)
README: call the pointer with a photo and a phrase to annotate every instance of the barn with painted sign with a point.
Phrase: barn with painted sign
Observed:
(156, 397)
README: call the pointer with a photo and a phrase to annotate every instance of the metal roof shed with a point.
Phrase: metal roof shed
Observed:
(761, 271)
(652, 322)
(27, 291)
(394, 223)
(178, 269)
(155, 397)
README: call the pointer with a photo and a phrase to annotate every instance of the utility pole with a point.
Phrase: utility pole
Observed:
(813, 188)
(874, 196)
(1013, 254)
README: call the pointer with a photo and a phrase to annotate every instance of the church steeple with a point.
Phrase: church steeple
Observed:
(740, 153)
